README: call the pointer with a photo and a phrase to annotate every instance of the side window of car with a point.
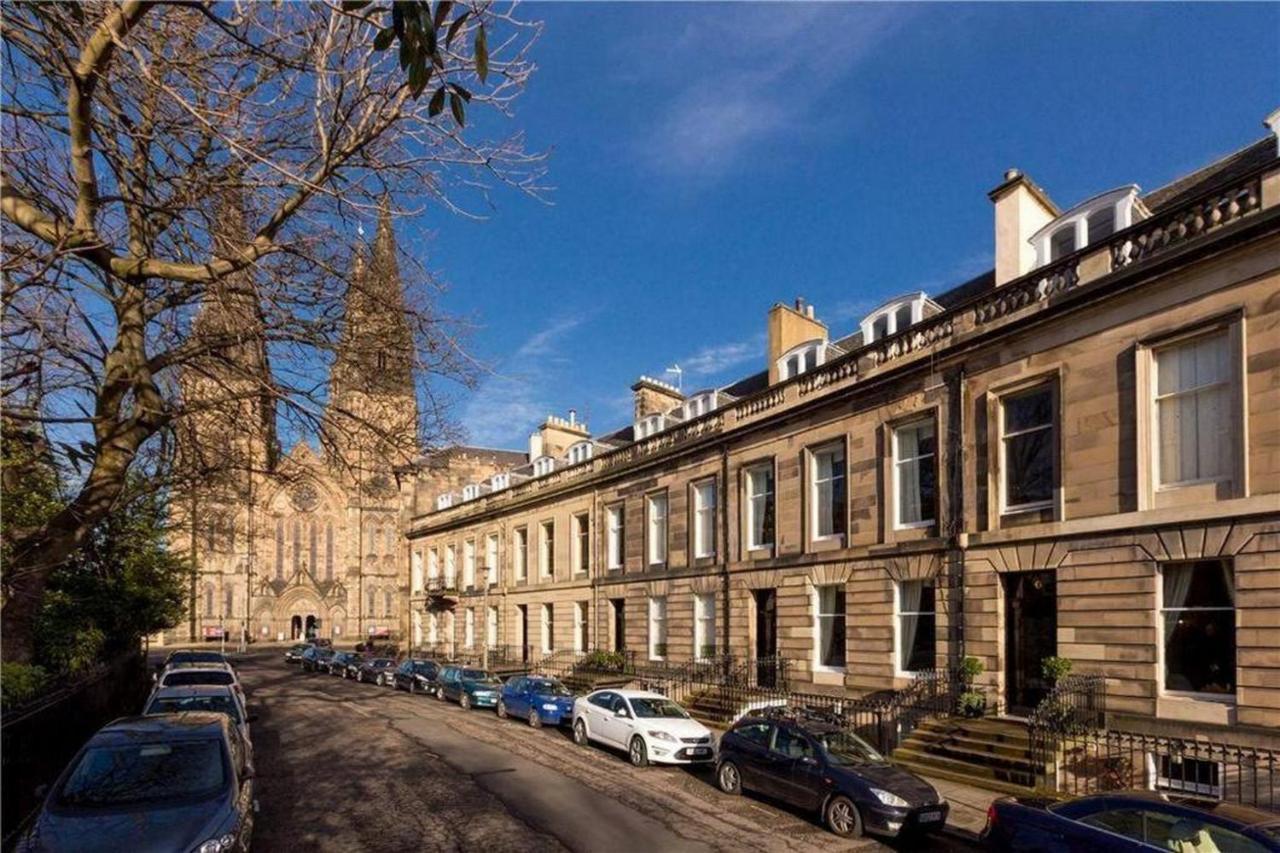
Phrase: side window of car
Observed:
(755, 733)
(1175, 832)
(1126, 822)
(620, 704)
(516, 685)
(792, 743)
(602, 700)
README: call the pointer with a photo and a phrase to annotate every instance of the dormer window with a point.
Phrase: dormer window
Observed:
(651, 425)
(897, 315)
(800, 359)
(444, 501)
(499, 481)
(580, 452)
(471, 491)
(1087, 223)
(699, 405)
(543, 465)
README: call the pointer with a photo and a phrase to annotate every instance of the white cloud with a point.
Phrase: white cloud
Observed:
(513, 401)
(718, 358)
(744, 75)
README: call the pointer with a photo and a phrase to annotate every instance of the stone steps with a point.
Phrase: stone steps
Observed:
(989, 753)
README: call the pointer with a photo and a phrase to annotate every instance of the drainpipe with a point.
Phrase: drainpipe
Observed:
(957, 528)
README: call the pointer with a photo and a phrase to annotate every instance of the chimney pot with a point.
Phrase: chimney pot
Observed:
(1010, 174)
(808, 311)
(800, 304)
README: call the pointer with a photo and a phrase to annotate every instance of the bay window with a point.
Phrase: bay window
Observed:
(704, 519)
(1198, 621)
(1028, 448)
(915, 474)
(827, 475)
(760, 507)
(829, 627)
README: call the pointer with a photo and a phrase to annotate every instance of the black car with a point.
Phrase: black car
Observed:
(380, 671)
(418, 676)
(816, 764)
(1124, 821)
(166, 782)
(316, 659)
(339, 662)
(293, 654)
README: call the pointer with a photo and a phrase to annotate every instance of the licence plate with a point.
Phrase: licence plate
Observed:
(699, 751)
(929, 817)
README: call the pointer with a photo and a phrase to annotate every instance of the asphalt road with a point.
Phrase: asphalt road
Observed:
(346, 766)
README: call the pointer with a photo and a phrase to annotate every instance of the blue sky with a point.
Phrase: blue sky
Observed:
(710, 160)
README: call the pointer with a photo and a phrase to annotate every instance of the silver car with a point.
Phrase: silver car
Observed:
(202, 697)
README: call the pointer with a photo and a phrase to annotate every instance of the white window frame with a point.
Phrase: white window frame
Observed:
(814, 351)
(818, 617)
(899, 665)
(547, 618)
(499, 481)
(1050, 387)
(444, 501)
(433, 563)
(415, 571)
(491, 626)
(649, 425)
(704, 513)
(580, 452)
(656, 546)
(1161, 652)
(469, 628)
(579, 625)
(451, 565)
(581, 529)
(520, 553)
(468, 563)
(699, 405)
(658, 645)
(1228, 384)
(614, 537)
(491, 557)
(765, 498)
(814, 484)
(1156, 782)
(546, 549)
(433, 627)
(1122, 200)
(918, 302)
(471, 491)
(543, 466)
(899, 461)
(704, 624)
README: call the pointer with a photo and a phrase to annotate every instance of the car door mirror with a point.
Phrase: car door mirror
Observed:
(809, 761)
(621, 712)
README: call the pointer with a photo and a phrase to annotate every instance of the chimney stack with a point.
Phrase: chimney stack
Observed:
(1022, 209)
(653, 396)
(789, 328)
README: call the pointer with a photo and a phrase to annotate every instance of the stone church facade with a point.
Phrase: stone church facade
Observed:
(308, 542)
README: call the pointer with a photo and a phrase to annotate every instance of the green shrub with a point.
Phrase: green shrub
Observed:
(1055, 668)
(970, 668)
(20, 683)
(972, 703)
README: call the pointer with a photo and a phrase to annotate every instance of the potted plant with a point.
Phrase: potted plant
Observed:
(1054, 669)
(972, 703)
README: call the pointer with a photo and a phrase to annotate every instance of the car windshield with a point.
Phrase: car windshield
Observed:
(186, 678)
(196, 657)
(645, 708)
(548, 686)
(137, 773)
(174, 704)
(423, 668)
(473, 675)
(486, 681)
(847, 748)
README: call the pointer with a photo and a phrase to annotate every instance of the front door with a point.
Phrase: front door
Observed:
(766, 637)
(619, 624)
(295, 627)
(1030, 636)
(312, 627)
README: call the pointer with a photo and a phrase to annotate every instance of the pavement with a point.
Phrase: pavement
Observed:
(346, 766)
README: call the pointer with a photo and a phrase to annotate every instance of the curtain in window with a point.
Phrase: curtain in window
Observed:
(909, 595)
(910, 509)
(831, 625)
(1177, 584)
(1194, 415)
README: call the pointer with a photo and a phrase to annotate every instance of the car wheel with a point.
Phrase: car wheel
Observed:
(465, 701)
(502, 710)
(534, 720)
(729, 779)
(637, 753)
(580, 733)
(842, 817)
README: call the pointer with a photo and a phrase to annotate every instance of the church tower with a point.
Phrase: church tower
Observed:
(373, 412)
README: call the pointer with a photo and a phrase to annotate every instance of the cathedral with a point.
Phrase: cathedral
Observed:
(305, 542)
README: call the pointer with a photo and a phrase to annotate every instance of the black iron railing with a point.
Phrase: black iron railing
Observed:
(605, 662)
(1075, 705)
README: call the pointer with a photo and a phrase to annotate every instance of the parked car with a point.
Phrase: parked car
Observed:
(293, 654)
(202, 697)
(822, 767)
(1124, 821)
(380, 671)
(194, 656)
(189, 674)
(469, 687)
(316, 659)
(168, 782)
(417, 676)
(536, 698)
(339, 662)
(649, 726)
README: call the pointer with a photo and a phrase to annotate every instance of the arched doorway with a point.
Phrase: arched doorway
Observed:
(312, 627)
(295, 627)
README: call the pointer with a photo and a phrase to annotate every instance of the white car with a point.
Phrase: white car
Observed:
(191, 674)
(649, 726)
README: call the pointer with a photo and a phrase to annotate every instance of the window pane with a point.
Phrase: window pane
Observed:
(916, 473)
(1029, 458)
(1029, 410)
(1063, 242)
(831, 625)
(1102, 224)
(917, 630)
(1200, 651)
(902, 317)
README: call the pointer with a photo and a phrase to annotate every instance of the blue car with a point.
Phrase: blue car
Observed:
(469, 687)
(1133, 820)
(536, 698)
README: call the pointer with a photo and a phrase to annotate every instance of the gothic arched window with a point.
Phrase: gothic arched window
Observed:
(391, 540)
(328, 550)
(311, 560)
(279, 547)
(373, 596)
(373, 543)
(297, 544)
(208, 599)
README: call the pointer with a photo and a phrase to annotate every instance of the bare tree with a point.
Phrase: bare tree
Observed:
(128, 126)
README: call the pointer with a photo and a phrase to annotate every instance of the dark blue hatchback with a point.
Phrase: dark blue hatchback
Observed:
(1132, 821)
(538, 699)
